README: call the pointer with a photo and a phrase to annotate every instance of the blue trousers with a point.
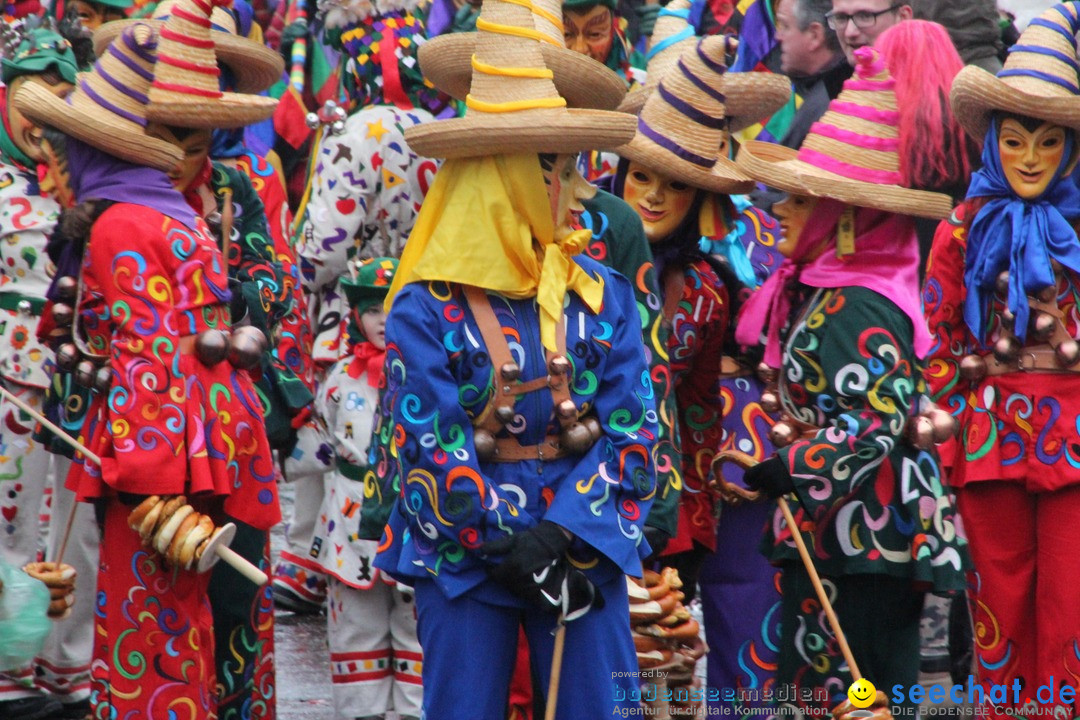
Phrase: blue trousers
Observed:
(470, 647)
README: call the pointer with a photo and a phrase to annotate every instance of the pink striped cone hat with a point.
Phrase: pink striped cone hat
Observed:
(186, 90)
(852, 153)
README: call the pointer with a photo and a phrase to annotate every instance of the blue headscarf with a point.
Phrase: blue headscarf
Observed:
(1019, 235)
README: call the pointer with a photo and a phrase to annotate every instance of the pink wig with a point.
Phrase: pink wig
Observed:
(933, 147)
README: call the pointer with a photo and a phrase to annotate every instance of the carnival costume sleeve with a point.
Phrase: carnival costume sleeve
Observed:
(853, 352)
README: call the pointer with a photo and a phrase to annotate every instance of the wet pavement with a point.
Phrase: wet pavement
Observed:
(300, 652)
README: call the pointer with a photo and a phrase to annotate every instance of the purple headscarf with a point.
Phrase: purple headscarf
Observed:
(96, 175)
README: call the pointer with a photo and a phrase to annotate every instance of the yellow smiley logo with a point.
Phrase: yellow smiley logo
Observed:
(861, 693)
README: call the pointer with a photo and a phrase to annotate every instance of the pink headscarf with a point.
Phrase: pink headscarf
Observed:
(886, 260)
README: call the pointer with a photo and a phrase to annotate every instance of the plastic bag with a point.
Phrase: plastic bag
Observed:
(23, 622)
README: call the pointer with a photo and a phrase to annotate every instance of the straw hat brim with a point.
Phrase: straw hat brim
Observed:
(447, 62)
(231, 110)
(749, 97)
(541, 131)
(780, 167)
(97, 129)
(256, 67)
(976, 93)
(724, 177)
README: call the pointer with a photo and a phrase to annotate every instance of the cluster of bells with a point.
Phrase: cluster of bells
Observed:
(244, 348)
(576, 437)
(931, 426)
(1044, 320)
(330, 114)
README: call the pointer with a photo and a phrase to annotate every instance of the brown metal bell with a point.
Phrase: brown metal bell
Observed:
(84, 373)
(576, 439)
(103, 379)
(566, 409)
(596, 431)
(1008, 319)
(920, 432)
(67, 287)
(63, 314)
(484, 442)
(505, 414)
(1068, 353)
(766, 373)
(1044, 326)
(67, 356)
(1048, 294)
(510, 372)
(770, 402)
(945, 425)
(1006, 349)
(781, 434)
(211, 347)
(1002, 282)
(246, 347)
(559, 365)
(973, 368)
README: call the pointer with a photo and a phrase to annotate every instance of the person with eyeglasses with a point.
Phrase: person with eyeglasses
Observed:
(859, 22)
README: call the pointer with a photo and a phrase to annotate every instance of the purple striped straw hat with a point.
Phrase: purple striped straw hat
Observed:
(683, 124)
(748, 96)
(107, 109)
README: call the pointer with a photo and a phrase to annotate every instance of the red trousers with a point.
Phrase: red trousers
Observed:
(153, 636)
(1026, 598)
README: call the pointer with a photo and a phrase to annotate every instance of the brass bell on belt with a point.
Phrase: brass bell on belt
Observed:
(566, 409)
(510, 372)
(84, 373)
(505, 414)
(103, 379)
(1002, 283)
(1068, 353)
(67, 356)
(67, 287)
(576, 439)
(559, 365)
(972, 368)
(484, 442)
(770, 402)
(1048, 294)
(63, 314)
(1044, 326)
(781, 434)
(945, 425)
(596, 431)
(1006, 349)
(211, 347)
(767, 374)
(246, 347)
(920, 432)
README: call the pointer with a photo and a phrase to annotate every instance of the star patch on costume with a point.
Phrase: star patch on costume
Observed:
(376, 130)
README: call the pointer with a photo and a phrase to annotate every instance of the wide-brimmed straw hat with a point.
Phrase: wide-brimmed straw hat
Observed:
(585, 83)
(682, 124)
(513, 105)
(852, 153)
(1039, 79)
(186, 90)
(107, 109)
(255, 67)
(748, 97)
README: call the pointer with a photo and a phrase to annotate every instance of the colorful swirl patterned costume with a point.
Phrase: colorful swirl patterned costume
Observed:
(1015, 465)
(439, 379)
(871, 503)
(169, 424)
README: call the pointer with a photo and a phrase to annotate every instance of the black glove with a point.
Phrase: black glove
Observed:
(770, 477)
(526, 552)
(558, 588)
(657, 539)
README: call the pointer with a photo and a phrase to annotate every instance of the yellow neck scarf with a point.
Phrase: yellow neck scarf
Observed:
(487, 222)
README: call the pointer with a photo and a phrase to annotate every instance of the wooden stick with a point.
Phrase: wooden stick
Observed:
(238, 562)
(823, 597)
(556, 671)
